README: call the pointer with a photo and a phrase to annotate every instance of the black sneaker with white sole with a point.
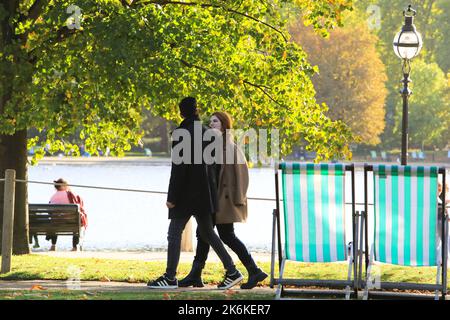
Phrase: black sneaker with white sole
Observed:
(163, 283)
(230, 280)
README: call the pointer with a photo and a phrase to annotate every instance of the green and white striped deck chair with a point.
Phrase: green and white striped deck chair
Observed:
(406, 224)
(312, 226)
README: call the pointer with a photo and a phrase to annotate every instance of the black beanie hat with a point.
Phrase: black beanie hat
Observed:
(188, 107)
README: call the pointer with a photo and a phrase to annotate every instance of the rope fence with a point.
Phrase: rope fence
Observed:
(116, 189)
(133, 190)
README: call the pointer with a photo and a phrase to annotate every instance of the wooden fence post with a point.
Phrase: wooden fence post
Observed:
(8, 220)
(186, 238)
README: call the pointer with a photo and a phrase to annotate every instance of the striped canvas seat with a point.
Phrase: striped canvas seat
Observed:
(406, 210)
(406, 227)
(314, 212)
(311, 226)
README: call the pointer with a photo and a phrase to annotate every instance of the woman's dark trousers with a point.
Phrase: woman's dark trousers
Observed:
(227, 235)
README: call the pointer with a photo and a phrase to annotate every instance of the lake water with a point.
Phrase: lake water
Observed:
(138, 221)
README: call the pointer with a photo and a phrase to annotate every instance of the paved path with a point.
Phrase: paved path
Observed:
(119, 286)
(109, 286)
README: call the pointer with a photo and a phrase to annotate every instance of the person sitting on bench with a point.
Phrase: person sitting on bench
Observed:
(64, 195)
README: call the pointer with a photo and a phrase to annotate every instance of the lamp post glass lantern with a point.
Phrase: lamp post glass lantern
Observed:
(407, 44)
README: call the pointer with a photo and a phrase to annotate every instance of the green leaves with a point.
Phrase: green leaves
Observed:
(429, 107)
(233, 56)
(324, 15)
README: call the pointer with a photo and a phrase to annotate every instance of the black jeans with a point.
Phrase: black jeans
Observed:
(53, 238)
(206, 232)
(227, 235)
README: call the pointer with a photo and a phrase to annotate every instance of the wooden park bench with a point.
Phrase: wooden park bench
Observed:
(54, 219)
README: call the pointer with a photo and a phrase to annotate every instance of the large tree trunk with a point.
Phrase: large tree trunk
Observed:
(13, 155)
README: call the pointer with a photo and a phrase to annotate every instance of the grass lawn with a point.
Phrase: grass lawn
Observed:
(38, 267)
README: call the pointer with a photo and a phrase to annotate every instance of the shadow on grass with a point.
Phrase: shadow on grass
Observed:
(25, 275)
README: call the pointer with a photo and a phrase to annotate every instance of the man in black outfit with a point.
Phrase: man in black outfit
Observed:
(192, 191)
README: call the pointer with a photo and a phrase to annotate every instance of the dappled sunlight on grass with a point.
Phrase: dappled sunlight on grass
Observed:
(314, 270)
(146, 295)
(35, 267)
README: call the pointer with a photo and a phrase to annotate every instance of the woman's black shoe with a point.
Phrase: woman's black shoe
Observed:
(194, 278)
(253, 279)
(191, 281)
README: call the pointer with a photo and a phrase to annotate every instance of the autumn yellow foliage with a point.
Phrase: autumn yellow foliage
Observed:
(351, 78)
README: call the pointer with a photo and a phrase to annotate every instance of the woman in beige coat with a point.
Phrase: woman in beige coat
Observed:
(232, 180)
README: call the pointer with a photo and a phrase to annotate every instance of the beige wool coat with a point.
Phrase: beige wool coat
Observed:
(232, 191)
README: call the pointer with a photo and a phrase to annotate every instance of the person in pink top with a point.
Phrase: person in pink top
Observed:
(64, 195)
(60, 196)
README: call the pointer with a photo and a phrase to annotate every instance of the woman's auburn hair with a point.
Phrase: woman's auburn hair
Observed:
(225, 119)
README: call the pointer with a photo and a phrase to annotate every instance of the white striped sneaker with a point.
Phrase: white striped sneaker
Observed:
(163, 283)
(230, 280)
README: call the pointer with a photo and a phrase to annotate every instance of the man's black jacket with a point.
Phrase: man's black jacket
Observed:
(192, 186)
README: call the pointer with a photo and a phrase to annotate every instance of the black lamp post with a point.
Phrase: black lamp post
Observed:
(407, 45)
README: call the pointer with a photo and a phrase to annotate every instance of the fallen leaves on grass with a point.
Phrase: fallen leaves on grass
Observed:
(166, 296)
(230, 292)
(132, 279)
(37, 287)
(105, 279)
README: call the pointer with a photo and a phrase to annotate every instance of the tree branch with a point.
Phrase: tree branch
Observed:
(259, 21)
(33, 13)
(208, 5)
(249, 94)
(35, 10)
(259, 87)
(190, 65)
(126, 3)
(63, 33)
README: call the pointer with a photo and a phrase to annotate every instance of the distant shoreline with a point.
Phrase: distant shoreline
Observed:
(106, 160)
(166, 161)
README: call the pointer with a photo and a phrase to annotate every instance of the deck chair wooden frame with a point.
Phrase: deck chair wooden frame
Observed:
(424, 209)
(338, 251)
